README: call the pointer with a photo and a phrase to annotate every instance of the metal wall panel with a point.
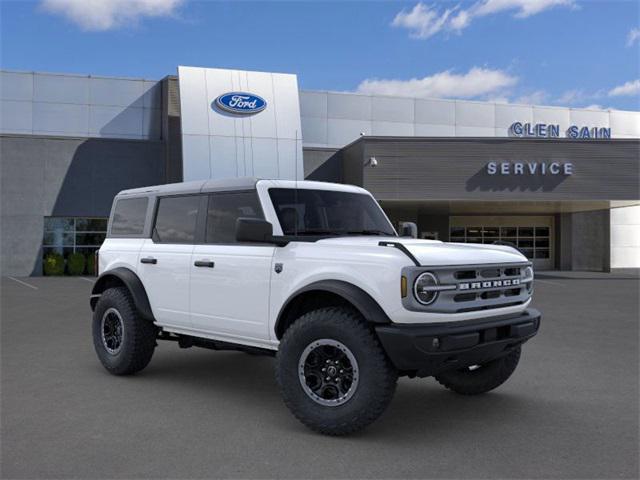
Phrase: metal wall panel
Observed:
(16, 117)
(314, 130)
(435, 112)
(471, 114)
(552, 115)
(506, 115)
(73, 105)
(445, 169)
(625, 123)
(589, 117)
(349, 114)
(313, 104)
(425, 130)
(64, 177)
(342, 132)
(111, 121)
(60, 89)
(61, 118)
(116, 92)
(463, 131)
(196, 148)
(389, 109)
(349, 106)
(240, 144)
(16, 86)
(395, 129)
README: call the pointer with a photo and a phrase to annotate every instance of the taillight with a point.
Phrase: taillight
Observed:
(96, 265)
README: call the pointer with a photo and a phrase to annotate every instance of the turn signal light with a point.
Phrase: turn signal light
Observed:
(403, 286)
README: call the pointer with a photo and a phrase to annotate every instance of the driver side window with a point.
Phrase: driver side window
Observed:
(223, 211)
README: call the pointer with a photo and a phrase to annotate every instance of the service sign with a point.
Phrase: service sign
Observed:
(240, 103)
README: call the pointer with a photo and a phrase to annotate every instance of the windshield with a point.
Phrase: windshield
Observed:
(326, 212)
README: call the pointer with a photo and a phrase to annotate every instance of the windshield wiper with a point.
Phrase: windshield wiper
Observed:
(369, 232)
(315, 232)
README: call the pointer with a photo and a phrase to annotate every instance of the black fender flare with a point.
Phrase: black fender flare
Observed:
(133, 284)
(361, 300)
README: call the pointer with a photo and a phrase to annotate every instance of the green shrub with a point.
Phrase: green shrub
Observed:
(53, 264)
(75, 263)
(91, 263)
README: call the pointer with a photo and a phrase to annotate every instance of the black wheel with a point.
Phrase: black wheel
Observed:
(122, 339)
(480, 378)
(332, 372)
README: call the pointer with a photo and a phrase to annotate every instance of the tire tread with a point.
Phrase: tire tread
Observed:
(340, 318)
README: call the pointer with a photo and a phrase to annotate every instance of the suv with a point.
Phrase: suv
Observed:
(315, 275)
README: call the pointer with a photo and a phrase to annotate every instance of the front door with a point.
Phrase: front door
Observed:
(165, 260)
(230, 280)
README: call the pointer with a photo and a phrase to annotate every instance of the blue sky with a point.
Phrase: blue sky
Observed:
(559, 52)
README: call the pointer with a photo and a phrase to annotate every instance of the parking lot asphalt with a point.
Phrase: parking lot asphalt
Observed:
(569, 411)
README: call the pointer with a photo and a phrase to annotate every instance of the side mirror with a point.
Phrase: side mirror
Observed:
(254, 230)
(408, 229)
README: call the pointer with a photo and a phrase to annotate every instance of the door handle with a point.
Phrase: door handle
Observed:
(150, 260)
(204, 263)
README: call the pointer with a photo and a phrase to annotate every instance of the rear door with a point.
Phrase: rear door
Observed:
(230, 280)
(164, 260)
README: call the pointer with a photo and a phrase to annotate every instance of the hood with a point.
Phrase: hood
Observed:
(436, 253)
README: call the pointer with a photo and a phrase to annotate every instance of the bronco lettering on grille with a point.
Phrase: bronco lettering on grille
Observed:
(488, 284)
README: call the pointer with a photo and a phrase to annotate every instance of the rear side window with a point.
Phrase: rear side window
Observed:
(176, 219)
(224, 209)
(129, 215)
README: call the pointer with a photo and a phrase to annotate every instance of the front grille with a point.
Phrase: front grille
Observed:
(471, 288)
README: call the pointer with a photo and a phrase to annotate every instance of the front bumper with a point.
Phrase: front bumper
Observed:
(425, 350)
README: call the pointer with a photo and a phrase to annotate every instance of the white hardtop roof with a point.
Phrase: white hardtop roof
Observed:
(240, 183)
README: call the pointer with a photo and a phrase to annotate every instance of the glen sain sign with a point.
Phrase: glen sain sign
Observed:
(546, 130)
(240, 103)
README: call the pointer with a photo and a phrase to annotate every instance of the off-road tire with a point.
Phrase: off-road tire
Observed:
(489, 376)
(138, 341)
(377, 376)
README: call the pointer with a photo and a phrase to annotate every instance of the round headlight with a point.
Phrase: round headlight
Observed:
(528, 278)
(423, 288)
(528, 273)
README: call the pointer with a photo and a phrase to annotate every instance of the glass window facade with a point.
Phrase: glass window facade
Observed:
(65, 235)
(534, 242)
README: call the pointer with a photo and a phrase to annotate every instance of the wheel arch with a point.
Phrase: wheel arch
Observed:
(123, 277)
(328, 293)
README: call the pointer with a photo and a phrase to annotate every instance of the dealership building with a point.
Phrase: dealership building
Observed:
(563, 184)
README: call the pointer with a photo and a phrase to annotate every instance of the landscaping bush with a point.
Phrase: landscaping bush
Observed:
(75, 263)
(91, 262)
(53, 264)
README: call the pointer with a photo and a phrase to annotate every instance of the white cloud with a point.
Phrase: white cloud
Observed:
(595, 106)
(631, 87)
(633, 36)
(475, 83)
(99, 15)
(524, 8)
(571, 97)
(538, 97)
(423, 21)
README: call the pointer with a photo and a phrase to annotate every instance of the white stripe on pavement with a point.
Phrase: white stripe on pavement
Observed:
(549, 282)
(23, 283)
(87, 279)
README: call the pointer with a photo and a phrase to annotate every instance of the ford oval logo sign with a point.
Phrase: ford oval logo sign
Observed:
(240, 103)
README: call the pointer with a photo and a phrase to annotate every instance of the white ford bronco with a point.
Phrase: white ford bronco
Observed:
(314, 274)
